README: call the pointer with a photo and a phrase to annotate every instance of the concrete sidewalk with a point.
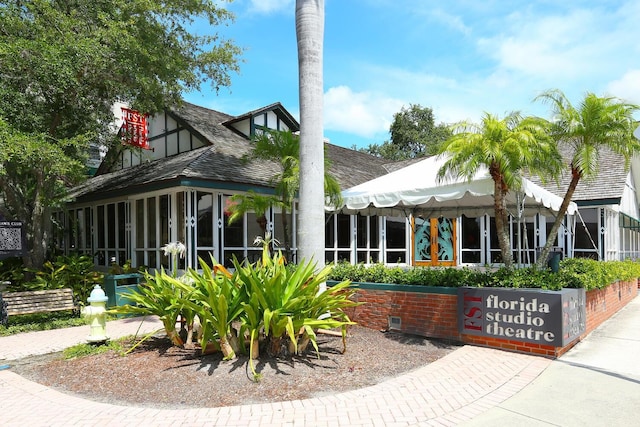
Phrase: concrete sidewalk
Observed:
(596, 383)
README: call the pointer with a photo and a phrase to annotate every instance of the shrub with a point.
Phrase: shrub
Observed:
(574, 273)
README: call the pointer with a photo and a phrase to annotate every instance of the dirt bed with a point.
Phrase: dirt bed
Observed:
(159, 375)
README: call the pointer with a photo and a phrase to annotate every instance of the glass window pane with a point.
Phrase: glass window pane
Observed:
(344, 231)
(253, 228)
(362, 231)
(470, 232)
(100, 225)
(396, 233)
(111, 226)
(140, 223)
(396, 257)
(373, 232)
(164, 220)
(87, 228)
(205, 219)
(152, 220)
(122, 224)
(329, 231)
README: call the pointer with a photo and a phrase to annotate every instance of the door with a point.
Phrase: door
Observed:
(434, 241)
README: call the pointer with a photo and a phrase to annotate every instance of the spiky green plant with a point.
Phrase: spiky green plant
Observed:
(217, 299)
(161, 296)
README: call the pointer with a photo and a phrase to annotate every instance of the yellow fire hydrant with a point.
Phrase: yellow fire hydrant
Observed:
(96, 315)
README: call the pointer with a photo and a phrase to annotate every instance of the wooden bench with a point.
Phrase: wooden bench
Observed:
(29, 302)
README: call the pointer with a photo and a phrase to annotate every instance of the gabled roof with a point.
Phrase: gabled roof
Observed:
(278, 110)
(608, 186)
(221, 164)
(350, 167)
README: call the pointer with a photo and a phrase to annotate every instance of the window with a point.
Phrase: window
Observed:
(396, 240)
(367, 239)
(471, 236)
(338, 238)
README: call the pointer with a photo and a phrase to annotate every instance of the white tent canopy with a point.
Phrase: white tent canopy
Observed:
(415, 189)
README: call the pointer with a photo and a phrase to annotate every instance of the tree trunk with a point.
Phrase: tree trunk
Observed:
(502, 224)
(309, 34)
(553, 233)
(38, 226)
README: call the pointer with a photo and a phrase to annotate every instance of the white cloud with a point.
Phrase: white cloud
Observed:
(271, 6)
(360, 113)
(452, 21)
(627, 87)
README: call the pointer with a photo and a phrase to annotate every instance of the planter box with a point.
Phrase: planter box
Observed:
(433, 312)
(116, 285)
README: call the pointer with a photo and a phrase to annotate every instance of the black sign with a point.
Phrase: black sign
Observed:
(530, 315)
(12, 239)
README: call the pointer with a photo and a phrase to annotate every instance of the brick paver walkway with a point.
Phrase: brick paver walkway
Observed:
(455, 388)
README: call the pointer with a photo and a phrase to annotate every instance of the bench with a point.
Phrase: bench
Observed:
(30, 302)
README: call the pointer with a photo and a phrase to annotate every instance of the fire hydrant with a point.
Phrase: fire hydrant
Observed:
(96, 315)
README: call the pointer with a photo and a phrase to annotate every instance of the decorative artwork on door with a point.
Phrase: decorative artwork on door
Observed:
(434, 241)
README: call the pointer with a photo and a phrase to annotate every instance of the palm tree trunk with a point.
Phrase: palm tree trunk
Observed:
(310, 34)
(502, 224)
(553, 233)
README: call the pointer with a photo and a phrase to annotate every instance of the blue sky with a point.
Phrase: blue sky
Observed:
(460, 58)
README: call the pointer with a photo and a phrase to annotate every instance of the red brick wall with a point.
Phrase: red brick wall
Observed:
(432, 312)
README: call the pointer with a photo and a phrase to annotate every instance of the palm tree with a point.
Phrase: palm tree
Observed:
(284, 147)
(596, 123)
(309, 35)
(251, 202)
(506, 147)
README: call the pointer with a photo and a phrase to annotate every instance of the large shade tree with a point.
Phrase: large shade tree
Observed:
(63, 65)
(507, 148)
(596, 123)
(310, 34)
(414, 133)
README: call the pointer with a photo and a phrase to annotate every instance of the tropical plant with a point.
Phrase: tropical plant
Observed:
(597, 123)
(75, 271)
(251, 202)
(507, 148)
(217, 299)
(309, 35)
(284, 147)
(285, 303)
(161, 295)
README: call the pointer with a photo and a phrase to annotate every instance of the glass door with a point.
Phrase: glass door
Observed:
(434, 241)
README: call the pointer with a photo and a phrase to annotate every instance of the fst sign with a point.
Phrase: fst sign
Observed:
(530, 315)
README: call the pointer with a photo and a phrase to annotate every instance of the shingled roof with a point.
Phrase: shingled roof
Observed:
(608, 185)
(222, 161)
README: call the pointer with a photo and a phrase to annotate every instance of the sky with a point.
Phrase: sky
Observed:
(461, 58)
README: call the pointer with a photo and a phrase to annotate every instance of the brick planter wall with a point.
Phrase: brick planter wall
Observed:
(432, 312)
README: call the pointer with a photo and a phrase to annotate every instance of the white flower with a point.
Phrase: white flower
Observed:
(267, 239)
(174, 248)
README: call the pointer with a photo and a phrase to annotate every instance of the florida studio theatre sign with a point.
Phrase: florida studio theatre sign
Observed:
(530, 315)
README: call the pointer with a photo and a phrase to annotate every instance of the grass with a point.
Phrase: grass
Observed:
(86, 349)
(40, 322)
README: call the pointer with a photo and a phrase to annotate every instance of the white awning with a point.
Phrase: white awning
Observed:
(415, 189)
